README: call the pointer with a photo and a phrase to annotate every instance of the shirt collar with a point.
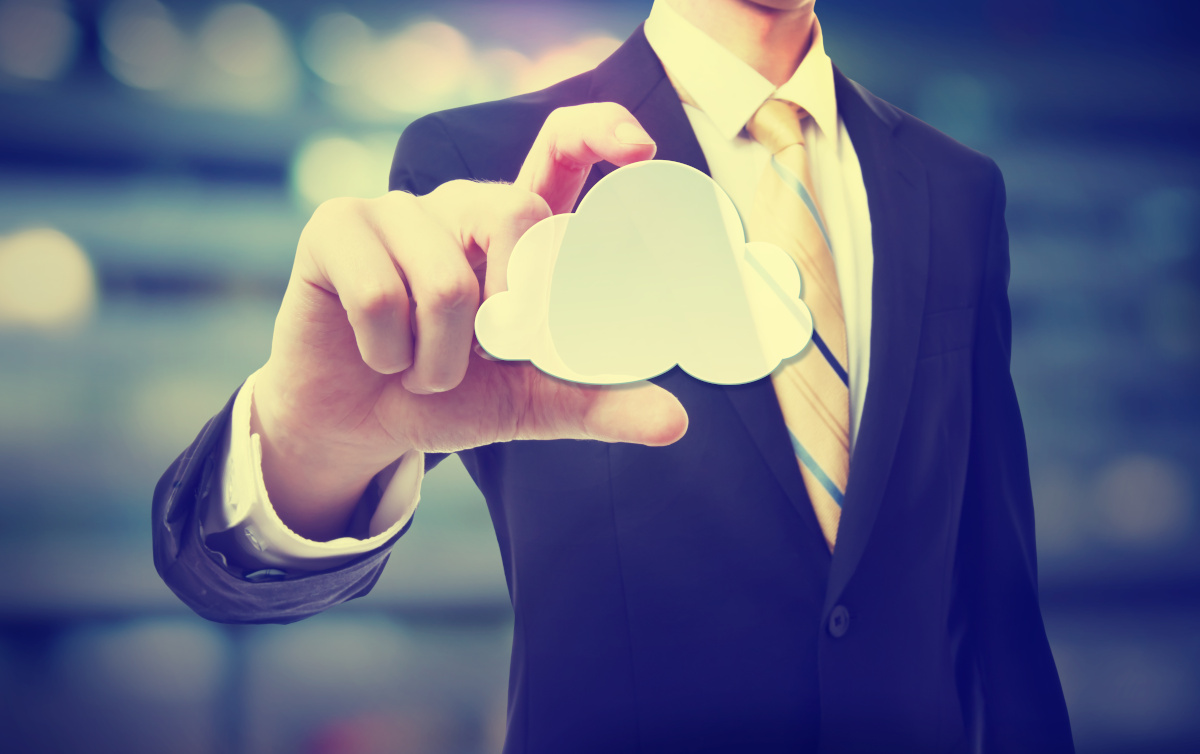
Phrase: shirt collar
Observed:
(725, 87)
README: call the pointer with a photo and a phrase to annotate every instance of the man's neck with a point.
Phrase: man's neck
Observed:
(771, 41)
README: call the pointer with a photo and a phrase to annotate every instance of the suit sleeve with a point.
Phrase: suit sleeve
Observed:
(1016, 682)
(203, 577)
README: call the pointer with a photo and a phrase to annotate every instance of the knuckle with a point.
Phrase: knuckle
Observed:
(401, 209)
(336, 211)
(376, 299)
(330, 219)
(450, 192)
(445, 374)
(452, 293)
(446, 203)
(397, 201)
(524, 205)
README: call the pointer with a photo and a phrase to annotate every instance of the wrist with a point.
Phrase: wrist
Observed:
(313, 480)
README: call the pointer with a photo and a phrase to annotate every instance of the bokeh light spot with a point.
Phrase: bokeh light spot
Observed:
(38, 38)
(425, 67)
(430, 65)
(1165, 224)
(338, 48)
(564, 62)
(46, 280)
(1173, 318)
(243, 40)
(1145, 688)
(149, 661)
(368, 653)
(1144, 500)
(330, 165)
(246, 62)
(165, 409)
(143, 47)
(499, 72)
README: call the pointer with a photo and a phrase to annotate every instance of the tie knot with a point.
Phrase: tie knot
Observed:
(776, 125)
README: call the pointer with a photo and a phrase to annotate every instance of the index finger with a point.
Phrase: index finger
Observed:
(572, 140)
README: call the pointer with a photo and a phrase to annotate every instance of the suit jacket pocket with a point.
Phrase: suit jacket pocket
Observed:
(946, 331)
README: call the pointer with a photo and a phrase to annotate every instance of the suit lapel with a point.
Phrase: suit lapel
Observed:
(898, 200)
(897, 197)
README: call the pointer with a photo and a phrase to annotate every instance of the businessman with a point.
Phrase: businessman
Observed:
(837, 558)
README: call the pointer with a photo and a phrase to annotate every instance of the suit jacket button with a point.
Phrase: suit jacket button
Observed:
(839, 622)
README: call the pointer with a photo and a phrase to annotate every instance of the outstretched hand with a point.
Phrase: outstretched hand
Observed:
(373, 356)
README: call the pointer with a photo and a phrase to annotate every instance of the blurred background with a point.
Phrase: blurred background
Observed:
(158, 160)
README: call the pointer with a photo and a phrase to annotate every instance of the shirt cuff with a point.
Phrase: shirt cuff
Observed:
(243, 507)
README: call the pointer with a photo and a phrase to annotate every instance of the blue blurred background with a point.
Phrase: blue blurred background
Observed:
(158, 160)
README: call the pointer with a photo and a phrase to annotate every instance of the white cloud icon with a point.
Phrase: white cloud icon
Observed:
(652, 271)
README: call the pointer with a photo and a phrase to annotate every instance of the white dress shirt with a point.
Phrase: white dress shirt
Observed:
(726, 92)
(245, 507)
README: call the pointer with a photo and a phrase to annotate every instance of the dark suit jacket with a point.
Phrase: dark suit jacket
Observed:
(682, 598)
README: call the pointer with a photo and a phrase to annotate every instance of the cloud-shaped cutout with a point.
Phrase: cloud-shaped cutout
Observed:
(652, 271)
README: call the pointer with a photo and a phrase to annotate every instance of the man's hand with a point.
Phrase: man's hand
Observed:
(373, 355)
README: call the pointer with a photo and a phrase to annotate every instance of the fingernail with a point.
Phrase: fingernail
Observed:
(627, 133)
(484, 354)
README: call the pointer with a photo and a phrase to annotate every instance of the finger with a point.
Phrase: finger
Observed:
(517, 210)
(489, 218)
(513, 211)
(345, 256)
(639, 412)
(427, 241)
(572, 140)
(441, 283)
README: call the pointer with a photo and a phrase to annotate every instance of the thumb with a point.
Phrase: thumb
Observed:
(640, 412)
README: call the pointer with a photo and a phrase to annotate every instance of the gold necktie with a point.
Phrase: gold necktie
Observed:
(813, 387)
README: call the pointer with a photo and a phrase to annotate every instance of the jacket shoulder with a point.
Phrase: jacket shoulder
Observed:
(940, 153)
(486, 141)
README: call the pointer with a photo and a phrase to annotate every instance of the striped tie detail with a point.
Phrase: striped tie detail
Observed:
(813, 386)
